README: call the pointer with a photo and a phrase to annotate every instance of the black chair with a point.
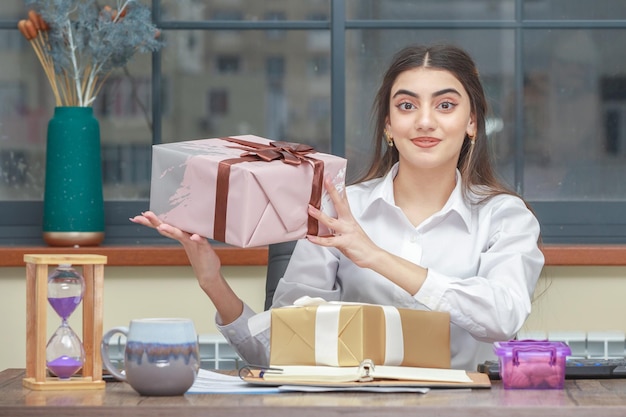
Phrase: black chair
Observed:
(277, 260)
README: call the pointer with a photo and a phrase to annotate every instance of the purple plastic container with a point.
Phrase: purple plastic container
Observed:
(532, 364)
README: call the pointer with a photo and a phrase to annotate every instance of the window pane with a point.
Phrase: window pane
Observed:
(123, 108)
(575, 101)
(574, 10)
(430, 9)
(253, 10)
(369, 53)
(25, 108)
(279, 88)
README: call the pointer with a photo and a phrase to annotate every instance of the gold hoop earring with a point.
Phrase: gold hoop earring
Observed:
(472, 138)
(388, 138)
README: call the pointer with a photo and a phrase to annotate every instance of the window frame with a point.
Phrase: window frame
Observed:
(563, 222)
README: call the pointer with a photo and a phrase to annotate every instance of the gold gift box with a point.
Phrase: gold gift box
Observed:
(361, 333)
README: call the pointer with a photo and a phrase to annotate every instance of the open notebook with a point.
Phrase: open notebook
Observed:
(365, 374)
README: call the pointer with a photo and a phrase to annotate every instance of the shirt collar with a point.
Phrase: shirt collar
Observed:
(383, 189)
(456, 203)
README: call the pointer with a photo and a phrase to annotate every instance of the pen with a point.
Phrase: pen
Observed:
(262, 370)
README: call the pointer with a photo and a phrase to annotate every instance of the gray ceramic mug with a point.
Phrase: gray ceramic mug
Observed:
(161, 355)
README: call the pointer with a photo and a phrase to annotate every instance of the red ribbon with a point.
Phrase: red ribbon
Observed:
(288, 153)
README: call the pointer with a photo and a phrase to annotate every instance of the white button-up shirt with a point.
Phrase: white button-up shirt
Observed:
(483, 262)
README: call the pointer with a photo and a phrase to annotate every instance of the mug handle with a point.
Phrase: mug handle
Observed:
(104, 351)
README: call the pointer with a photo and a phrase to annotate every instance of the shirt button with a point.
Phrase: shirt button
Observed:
(413, 238)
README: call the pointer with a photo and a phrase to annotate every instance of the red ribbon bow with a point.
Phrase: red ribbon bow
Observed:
(289, 152)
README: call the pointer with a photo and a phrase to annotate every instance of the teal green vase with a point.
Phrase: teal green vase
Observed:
(73, 209)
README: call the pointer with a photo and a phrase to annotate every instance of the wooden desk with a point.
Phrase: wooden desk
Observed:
(580, 398)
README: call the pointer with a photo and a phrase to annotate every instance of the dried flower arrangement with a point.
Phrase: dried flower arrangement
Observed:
(79, 44)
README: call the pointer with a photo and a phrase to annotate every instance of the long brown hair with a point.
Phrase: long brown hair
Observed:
(474, 164)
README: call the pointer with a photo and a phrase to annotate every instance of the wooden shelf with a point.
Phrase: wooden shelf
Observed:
(556, 255)
(585, 255)
(137, 255)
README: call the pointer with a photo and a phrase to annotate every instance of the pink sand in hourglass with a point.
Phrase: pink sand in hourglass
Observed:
(64, 306)
(64, 366)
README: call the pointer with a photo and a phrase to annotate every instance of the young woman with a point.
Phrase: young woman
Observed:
(428, 227)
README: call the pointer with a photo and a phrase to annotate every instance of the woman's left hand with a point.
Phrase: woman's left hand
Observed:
(348, 236)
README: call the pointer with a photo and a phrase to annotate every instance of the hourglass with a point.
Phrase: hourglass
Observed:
(64, 354)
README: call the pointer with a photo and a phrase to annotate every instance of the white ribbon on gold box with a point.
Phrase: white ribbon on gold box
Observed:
(316, 332)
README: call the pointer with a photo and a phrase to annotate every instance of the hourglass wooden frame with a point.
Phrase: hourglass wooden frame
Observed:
(37, 271)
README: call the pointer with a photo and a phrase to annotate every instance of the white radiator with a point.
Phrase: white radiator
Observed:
(592, 345)
(215, 352)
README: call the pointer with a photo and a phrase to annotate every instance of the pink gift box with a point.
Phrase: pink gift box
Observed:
(243, 190)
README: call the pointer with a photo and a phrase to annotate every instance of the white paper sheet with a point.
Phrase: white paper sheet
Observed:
(308, 388)
(209, 382)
